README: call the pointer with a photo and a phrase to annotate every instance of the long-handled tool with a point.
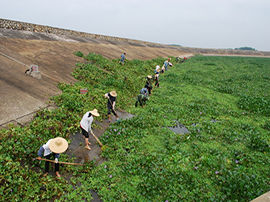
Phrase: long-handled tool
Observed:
(112, 107)
(61, 162)
(97, 139)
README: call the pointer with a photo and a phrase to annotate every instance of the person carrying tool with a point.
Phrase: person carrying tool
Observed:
(85, 125)
(148, 84)
(53, 148)
(123, 58)
(111, 96)
(166, 64)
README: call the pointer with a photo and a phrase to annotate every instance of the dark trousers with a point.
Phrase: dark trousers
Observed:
(56, 165)
(110, 110)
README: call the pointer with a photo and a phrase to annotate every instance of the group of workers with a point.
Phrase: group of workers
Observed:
(54, 147)
(145, 92)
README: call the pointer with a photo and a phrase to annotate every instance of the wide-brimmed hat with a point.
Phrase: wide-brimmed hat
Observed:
(157, 67)
(58, 145)
(149, 77)
(113, 93)
(94, 112)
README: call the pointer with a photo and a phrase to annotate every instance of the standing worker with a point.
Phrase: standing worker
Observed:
(85, 125)
(166, 64)
(53, 148)
(123, 58)
(148, 84)
(111, 96)
(156, 79)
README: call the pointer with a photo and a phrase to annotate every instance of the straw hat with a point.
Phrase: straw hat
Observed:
(94, 112)
(149, 77)
(113, 93)
(58, 145)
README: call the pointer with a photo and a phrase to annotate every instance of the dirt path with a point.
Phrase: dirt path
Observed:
(76, 147)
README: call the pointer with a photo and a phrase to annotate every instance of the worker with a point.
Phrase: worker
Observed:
(157, 69)
(148, 84)
(53, 148)
(85, 125)
(111, 96)
(156, 79)
(166, 64)
(123, 58)
(141, 99)
(144, 91)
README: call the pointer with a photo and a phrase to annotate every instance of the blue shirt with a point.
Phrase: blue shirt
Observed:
(123, 57)
(166, 64)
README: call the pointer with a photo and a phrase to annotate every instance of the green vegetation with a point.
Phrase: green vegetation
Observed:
(245, 48)
(223, 101)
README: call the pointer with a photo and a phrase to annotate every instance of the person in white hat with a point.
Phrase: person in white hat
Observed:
(85, 125)
(53, 148)
(111, 96)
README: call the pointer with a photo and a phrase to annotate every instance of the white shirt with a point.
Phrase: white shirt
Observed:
(86, 122)
(47, 150)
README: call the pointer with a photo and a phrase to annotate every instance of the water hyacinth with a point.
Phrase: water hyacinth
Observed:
(110, 176)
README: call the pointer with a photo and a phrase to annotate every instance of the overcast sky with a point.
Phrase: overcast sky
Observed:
(192, 23)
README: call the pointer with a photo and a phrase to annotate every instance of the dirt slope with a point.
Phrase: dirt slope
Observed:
(21, 95)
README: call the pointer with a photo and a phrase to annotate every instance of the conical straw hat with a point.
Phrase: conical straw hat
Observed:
(113, 93)
(58, 145)
(94, 112)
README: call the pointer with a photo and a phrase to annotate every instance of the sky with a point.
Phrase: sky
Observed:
(190, 23)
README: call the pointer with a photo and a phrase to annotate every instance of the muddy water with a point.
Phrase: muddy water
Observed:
(179, 129)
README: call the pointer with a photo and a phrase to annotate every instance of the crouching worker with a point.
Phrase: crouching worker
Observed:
(85, 124)
(141, 99)
(53, 148)
(111, 96)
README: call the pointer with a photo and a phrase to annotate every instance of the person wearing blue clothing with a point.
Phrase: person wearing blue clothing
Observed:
(166, 64)
(144, 91)
(123, 58)
(53, 148)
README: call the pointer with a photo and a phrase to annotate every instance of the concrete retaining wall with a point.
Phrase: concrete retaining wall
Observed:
(16, 25)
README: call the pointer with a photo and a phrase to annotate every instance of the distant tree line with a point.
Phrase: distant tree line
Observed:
(245, 48)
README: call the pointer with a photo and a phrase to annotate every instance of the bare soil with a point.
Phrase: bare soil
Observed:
(22, 95)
